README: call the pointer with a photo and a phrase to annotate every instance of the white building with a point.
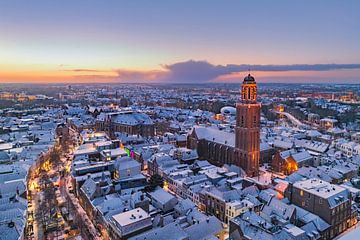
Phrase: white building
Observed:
(236, 207)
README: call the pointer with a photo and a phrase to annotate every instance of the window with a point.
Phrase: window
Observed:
(116, 175)
(320, 200)
(301, 193)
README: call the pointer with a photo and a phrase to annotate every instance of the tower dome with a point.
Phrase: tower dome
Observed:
(249, 78)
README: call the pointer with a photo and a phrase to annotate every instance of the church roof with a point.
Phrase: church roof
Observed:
(215, 135)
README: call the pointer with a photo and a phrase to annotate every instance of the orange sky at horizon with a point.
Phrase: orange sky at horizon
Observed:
(84, 75)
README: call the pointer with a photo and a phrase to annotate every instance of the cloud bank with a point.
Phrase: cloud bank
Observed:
(202, 71)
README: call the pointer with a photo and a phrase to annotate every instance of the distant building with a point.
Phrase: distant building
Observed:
(133, 123)
(356, 137)
(280, 107)
(313, 118)
(327, 123)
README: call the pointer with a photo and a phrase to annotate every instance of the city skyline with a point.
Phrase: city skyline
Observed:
(172, 42)
(179, 120)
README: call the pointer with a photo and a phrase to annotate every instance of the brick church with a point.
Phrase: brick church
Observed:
(243, 149)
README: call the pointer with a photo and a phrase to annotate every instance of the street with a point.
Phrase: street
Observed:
(53, 211)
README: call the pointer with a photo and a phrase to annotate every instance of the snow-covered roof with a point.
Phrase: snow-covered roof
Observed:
(215, 135)
(130, 217)
(334, 194)
(161, 196)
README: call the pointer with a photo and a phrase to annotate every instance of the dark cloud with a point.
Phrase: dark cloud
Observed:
(83, 70)
(203, 71)
(198, 71)
(294, 67)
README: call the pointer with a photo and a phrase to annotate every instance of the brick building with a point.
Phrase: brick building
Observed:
(330, 202)
(132, 123)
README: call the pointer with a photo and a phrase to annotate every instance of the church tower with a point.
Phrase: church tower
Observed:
(247, 133)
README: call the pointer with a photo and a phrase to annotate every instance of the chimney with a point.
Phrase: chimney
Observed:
(11, 224)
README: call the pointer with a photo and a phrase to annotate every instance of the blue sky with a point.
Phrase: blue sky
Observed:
(43, 39)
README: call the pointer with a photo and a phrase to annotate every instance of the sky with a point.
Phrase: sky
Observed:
(179, 41)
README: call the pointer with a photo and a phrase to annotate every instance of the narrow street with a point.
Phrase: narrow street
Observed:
(54, 212)
(44, 213)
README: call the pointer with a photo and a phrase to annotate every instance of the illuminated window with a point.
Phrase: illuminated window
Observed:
(301, 193)
(116, 175)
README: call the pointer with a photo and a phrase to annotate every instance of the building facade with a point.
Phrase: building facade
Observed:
(330, 202)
